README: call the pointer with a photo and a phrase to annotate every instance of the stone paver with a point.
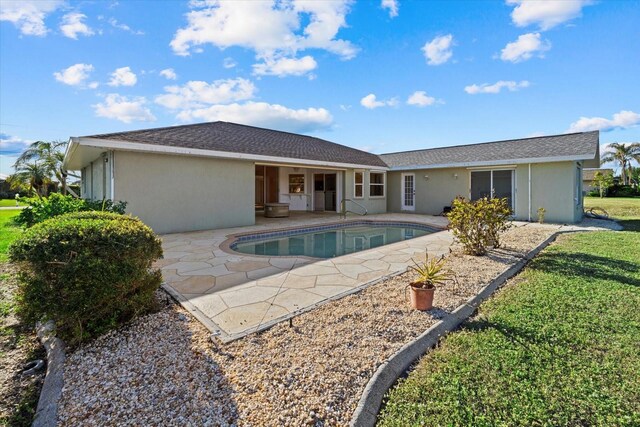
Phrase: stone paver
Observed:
(235, 294)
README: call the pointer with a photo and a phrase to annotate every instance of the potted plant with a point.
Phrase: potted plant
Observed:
(431, 272)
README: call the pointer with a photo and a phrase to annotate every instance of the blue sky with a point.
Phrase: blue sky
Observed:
(377, 75)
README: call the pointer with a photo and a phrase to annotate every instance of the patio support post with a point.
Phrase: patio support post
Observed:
(529, 192)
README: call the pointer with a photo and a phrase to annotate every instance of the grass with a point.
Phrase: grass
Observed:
(9, 203)
(558, 346)
(625, 209)
(8, 231)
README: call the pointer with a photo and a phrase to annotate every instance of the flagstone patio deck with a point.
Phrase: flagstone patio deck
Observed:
(235, 294)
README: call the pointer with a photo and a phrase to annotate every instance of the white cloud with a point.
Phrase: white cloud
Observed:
(169, 74)
(525, 47)
(272, 29)
(510, 85)
(123, 77)
(622, 120)
(125, 109)
(547, 14)
(392, 5)
(124, 27)
(76, 75)
(421, 99)
(285, 66)
(229, 62)
(72, 25)
(11, 145)
(264, 115)
(198, 94)
(371, 102)
(28, 15)
(438, 51)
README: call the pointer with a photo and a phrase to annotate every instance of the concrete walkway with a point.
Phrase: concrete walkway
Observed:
(234, 294)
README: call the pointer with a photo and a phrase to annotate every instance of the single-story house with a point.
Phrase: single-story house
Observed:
(216, 175)
(587, 178)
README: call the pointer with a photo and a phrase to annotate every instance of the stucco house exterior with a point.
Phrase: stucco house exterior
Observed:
(216, 175)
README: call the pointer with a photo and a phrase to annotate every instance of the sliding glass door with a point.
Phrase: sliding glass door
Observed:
(493, 183)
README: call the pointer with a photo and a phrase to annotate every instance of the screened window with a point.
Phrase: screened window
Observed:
(358, 189)
(492, 183)
(376, 184)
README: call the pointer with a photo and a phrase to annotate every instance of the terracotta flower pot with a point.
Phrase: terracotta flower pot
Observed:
(421, 298)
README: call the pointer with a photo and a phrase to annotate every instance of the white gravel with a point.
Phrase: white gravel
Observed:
(163, 369)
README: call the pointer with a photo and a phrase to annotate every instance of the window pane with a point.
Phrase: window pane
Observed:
(359, 190)
(376, 190)
(359, 177)
(480, 185)
(377, 178)
(502, 185)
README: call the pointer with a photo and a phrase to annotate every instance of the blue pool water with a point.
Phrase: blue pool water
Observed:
(328, 241)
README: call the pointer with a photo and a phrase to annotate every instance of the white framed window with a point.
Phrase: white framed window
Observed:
(376, 184)
(358, 184)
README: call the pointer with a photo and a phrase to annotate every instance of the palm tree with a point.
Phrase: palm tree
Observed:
(48, 157)
(36, 175)
(622, 154)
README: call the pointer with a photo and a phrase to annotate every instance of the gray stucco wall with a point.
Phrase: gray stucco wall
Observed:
(432, 193)
(374, 205)
(554, 186)
(180, 193)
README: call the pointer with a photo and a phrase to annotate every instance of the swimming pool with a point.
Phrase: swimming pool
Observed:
(328, 241)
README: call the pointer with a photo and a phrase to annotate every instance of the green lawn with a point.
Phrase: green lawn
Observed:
(8, 231)
(8, 202)
(558, 347)
(625, 209)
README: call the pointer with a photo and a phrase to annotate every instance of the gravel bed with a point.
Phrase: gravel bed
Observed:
(18, 346)
(164, 368)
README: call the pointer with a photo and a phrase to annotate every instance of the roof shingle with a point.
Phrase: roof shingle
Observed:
(584, 144)
(236, 138)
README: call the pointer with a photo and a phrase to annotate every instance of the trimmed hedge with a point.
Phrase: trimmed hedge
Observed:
(87, 271)
(57, 204)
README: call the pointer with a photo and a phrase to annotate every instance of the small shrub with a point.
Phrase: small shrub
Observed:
(477, 225)
(57, 204)
(541, 213)
(622, 191)
(432, 272)
(87, 271)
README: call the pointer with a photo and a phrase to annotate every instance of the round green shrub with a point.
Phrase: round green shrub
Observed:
(87, 271)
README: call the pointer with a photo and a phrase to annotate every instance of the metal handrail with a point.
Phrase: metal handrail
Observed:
(343, 208)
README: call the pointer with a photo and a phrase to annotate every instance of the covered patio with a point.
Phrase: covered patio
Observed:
(235, 294)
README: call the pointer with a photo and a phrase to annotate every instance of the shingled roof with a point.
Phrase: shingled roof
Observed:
(236, 138)
(571, 146)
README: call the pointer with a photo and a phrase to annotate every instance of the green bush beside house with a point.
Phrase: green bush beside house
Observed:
(41, 209)
(87, 271)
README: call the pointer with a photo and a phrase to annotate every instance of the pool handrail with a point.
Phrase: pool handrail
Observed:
(343, 208)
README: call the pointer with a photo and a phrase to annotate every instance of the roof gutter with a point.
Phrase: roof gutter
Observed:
(168, 149)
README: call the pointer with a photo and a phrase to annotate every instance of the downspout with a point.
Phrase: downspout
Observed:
(113, 180)
(529, 192)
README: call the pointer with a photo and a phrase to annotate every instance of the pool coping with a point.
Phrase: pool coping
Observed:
(226, 246)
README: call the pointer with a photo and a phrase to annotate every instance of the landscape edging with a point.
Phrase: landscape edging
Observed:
(47, 411)
(366, 413)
